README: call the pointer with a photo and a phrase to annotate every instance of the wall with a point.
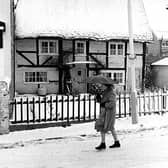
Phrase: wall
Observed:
(77, 78)
(154, 48)
(5, 52)
(160, 72)
(27, 88)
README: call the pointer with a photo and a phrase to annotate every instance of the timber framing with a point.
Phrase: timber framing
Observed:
(96, 60)
(87, 58)
(107, 53)
(37, 50)
(60, 49)
(47, 60)
(23, 56)
(143, 65)
(73, 49)
(102, 62)
(93, 53)
(107, 68)
(39, 66)
(125, 64)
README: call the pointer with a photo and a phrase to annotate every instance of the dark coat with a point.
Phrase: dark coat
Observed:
(107, 111)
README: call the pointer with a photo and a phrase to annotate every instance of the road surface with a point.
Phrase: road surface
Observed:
(145, 149)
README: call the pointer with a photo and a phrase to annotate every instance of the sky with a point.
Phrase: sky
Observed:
(157, 14)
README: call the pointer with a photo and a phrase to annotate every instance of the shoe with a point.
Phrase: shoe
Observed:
(115, 145)
(101, 146)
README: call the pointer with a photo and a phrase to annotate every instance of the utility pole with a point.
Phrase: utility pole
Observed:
(133, 104)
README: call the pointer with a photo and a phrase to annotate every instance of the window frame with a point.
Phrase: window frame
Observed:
(84, 47)
(120, 79)
(48, 47)
(165, 44)
(36, 77)
(112, 72)
(116, 49)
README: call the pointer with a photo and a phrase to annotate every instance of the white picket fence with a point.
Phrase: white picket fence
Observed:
(82, 107)
(54, 107)
(153, 102)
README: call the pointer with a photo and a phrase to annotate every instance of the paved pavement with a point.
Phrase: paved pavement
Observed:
(142, 149)
(123, 126)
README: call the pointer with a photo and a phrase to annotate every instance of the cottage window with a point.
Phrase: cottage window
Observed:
(120, 49)
(117, 76)
(48, 47)
(80, 47)
(113, 49)
(165, 44)
(35, 77)
(116, 49)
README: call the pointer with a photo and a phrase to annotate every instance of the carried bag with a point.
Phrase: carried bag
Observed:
(99, 124)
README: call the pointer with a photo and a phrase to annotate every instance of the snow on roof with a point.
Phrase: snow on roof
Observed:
(96, 19)
(163, 61)
(157, 15)
(162, 35)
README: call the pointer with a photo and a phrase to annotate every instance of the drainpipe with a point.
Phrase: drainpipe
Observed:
(12, 22)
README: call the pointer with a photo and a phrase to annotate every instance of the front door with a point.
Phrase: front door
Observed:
(78, 79)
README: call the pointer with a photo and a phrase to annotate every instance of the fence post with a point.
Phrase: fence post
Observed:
(119, 100)
(163, 99)
(4, 108)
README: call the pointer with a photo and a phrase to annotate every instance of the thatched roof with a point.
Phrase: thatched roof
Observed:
(157, 15)
(95, 19)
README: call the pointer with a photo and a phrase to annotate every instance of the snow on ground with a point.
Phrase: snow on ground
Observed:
(123, 125)
(146, 149)
(144, 145)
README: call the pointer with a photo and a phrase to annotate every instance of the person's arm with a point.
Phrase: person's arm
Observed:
(111, 103)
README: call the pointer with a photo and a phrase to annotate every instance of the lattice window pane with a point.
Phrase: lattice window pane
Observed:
(120, 49)
(52, 47)
(113, 49)
(44, 47)
(35, 77)
(80, 48)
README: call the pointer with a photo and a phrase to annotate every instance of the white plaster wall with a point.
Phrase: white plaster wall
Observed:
(5, 52)
(137, 48)
(28, 88)
(26, 45)
(96, 47)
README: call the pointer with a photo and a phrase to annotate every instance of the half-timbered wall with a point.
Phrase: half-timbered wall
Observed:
(28, 59)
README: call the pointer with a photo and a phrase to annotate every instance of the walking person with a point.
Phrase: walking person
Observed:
(106, 119)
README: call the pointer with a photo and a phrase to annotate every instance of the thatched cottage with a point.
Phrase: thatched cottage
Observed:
(59, 43)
